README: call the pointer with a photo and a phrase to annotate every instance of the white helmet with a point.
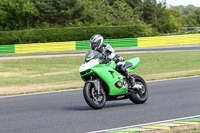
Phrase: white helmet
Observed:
(96, 42)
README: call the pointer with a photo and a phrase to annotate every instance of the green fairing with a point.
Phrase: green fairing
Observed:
(110, 76)
(111, 64)
(86, 73)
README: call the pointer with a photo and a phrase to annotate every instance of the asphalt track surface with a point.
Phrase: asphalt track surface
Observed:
(67, 112)
(146, 49)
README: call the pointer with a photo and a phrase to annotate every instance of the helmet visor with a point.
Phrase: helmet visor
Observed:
(93, 46)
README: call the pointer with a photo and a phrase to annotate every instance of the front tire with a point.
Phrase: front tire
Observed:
(139, 96)
(91, 97)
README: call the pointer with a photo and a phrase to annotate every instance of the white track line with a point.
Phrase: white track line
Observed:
(81, 88)
(143, 124)
(173, 79)
(51, 92)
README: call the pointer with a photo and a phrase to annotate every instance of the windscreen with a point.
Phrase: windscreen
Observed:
(91, 54)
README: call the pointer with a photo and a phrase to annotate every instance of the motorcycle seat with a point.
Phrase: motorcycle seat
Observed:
(128, 65)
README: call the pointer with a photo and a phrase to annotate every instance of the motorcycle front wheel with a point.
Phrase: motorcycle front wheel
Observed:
(139, 96)
(92, 98)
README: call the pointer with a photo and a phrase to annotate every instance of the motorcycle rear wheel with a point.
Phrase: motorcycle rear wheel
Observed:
(91, 97)
(139, 97)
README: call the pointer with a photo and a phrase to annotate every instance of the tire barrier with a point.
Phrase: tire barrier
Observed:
(115, 43)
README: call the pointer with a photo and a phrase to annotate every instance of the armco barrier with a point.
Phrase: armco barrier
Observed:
(115, 43)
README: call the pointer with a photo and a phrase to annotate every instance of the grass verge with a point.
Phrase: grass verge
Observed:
(179, 129)
(31, 75)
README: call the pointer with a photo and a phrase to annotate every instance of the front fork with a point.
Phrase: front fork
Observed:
(96, 84)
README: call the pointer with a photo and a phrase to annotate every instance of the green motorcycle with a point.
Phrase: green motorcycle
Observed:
(103, 83)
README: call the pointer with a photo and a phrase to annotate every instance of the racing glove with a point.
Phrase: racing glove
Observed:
(105, 61)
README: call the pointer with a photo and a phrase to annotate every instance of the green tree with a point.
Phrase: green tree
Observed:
(197, 16)
(152, 12)
(122, 13)
(16, 14)
(58, 11)
(189, 15)
(3, 19)
(190, 20)
(168, 22)
(185, 10)
(98, 12)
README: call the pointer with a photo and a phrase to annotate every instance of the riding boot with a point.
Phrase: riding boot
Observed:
(131, 81)
(129, 77)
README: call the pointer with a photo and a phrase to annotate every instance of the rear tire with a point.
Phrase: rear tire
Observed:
(139, 97)
(91, 97)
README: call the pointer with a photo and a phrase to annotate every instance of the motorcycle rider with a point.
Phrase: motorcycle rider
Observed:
(108, 54)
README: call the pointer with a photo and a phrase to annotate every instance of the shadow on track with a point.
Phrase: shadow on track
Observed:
(107, 106)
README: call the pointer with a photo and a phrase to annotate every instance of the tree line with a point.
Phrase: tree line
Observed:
(28, 14)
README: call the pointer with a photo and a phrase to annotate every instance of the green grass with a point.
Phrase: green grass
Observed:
(193, 130)
(35, 70)
(164, 62)
(20, 72)
(38, 91)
